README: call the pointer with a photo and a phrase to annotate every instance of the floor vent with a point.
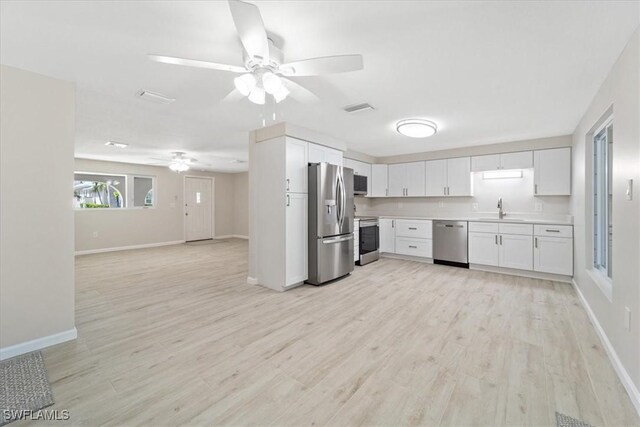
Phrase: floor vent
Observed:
(358, 107)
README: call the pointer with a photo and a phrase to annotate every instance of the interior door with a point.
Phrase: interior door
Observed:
(198, 208)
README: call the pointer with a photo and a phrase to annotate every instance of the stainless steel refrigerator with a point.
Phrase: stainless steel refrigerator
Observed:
(330, 222)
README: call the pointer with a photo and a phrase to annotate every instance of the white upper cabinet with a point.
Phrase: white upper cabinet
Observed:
(406, 179)
(519, 160)
(485, 163)
(459, 176)
(448, 177)
(552, 172)
(379, 181)
(320, 154)
(436, 177)
(296, 165)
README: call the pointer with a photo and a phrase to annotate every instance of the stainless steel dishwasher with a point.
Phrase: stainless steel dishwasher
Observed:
(450, 243)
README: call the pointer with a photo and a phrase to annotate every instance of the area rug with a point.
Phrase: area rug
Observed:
(563, 420)
(23, 385)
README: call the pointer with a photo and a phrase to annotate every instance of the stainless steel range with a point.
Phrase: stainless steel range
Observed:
(369, 241)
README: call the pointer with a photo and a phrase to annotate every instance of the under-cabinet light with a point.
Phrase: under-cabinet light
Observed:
(514, 173)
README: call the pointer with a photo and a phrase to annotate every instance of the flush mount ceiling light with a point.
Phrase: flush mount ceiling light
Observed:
(416, 128)
(116, 144)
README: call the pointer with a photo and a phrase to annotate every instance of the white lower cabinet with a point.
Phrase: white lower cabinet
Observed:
(553, 255)
(296, 260)
(516, 251)
(484, 248)
(414, 247)
(387, 235)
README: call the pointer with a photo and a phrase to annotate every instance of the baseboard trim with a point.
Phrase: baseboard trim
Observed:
(232, 236)
(632, 390)
(406, 257)
(521, 273)
(252, 280)
(127, 248)
(38, 344)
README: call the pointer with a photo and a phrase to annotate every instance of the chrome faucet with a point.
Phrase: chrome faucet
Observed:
(501, 212)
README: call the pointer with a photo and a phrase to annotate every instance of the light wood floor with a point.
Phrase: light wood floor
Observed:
(174, 335)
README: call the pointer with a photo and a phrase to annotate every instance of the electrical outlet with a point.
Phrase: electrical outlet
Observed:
(95, 234)
(474, 207)
(441, 204)
(627, 319)
(538, 206)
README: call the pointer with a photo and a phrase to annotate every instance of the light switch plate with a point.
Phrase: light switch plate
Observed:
(538, 206)
(474, 207)
(627, 318)
(441, 204)
(629, 193)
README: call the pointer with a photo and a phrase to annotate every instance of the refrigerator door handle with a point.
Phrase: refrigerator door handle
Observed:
(337, 239)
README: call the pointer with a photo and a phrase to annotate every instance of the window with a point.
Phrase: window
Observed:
(93, 191)
(602, 199)
(143, 191)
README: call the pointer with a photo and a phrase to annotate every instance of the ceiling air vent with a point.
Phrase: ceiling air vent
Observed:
(358, 107)
(153, 97)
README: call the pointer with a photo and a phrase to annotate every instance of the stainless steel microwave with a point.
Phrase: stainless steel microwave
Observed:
(360, 185)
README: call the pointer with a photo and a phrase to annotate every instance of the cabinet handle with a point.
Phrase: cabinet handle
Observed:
(535, 242)
(393, 223)
(386, 191)
(288, 183)
(288, 200)
(413, 247)
(444, 190)
(448, 192)
(535, 188)
(412, 228)
(501, 240)
(552, 231)
(496, 239)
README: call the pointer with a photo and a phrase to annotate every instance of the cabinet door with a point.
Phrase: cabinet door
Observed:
(316, 153)
(552, 172)
(397, 179)
(296, 166)
(521, 160)
(352, 164)
(516, 251)
(296, 239)
(435, 177)
(553, 255)
(483, 248)
(378, 180)
(387, 235)
(459, 176)
(485, 163)
(415, 179)
(333, 156)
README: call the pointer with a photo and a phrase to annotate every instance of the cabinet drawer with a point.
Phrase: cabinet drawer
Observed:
(416, 229)
(508, 228)
(484, 227)
(553, 230)
(414, 247)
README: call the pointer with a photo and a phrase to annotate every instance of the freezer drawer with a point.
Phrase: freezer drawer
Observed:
(330, 258)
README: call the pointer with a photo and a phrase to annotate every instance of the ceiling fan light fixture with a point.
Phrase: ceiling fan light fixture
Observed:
(271, 83)
(179, 167)
(257, 95)
(245, 83)
(281, 94)
(416, 128)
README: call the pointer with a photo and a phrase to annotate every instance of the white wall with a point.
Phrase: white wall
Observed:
(165, 222)
(621, 92)
(36, 217)
(241, 204)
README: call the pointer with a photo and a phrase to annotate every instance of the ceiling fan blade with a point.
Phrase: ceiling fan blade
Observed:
(196, 63)
(250, 27)
(300, 93)
(323, 65)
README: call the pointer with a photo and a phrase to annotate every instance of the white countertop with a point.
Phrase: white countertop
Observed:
(515, 218)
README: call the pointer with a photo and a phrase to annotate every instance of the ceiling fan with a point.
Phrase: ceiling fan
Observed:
(178, 162)
(264, 71)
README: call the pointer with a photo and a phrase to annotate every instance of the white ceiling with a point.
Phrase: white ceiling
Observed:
(486, 72)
